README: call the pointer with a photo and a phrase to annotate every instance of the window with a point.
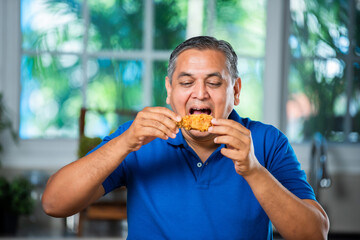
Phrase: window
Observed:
(112, 54)
(323, 78)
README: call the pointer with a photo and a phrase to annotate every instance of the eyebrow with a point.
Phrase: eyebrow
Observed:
(215, 74)
(184, 74)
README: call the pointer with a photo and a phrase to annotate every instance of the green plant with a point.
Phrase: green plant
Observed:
(5, 123)
(22, 202)
(86, 144)
(15, 196)
(4, 192)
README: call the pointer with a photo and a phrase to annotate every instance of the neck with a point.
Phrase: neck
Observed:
(204, 146)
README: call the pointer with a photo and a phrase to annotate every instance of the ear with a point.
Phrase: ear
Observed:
(168, 89)
(237, 89)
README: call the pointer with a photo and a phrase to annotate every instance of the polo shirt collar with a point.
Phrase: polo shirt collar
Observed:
(179, 140)
(235, 116)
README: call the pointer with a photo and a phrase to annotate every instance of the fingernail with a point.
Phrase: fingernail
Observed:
(178, 118)
(213, 120)
(177, 130)
(210, 129)
(173, 135)
(215, 140)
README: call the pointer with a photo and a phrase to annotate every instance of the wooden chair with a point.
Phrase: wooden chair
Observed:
(113, 209)
(103, 210)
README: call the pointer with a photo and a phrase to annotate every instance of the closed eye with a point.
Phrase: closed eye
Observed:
(186, 83)
(214, 79)
(215, 84)
(185, 79)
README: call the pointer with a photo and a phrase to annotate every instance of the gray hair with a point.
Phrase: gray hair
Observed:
(203, 43)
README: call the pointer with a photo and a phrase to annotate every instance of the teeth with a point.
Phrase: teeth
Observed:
(202, 110)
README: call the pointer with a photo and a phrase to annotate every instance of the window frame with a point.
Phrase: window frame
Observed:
(52, 154)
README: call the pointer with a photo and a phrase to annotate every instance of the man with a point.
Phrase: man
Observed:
(230, 182)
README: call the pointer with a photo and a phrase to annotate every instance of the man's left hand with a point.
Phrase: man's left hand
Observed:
(239, 145)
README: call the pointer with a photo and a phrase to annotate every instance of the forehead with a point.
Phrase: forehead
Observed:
(201, 60)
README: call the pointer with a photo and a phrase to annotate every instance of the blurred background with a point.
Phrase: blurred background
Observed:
(71, 71)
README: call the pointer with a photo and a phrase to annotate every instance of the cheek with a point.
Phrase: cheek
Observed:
(179, 99)
(224, 97)
(224, 105)
(221, 103)
(179, 96)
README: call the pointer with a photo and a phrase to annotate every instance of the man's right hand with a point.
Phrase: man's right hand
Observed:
(151, 123)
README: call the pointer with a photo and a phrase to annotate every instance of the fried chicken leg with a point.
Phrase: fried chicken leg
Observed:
(200, 122)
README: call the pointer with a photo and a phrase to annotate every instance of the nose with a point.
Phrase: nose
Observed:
(200, 91)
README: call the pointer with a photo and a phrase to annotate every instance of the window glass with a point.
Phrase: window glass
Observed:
(170, 23)
(114, 84)
(101, 124)
(159, 90)
(115, 25)
(114, 87)
(52, 25)
(319, 97)
(316, 100)
(242, 24)
(50, 96)
(251, 95)
(357, 27)
(318, 28)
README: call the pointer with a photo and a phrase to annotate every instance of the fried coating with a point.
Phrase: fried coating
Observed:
(200, 122)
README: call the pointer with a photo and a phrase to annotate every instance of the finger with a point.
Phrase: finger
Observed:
(230, 123)
(224, 130)
(150, 123)
(238, 157)
(165, 111)
(153, 132)
(237, 163)
(160, 118)
(231, 141)
(230, 131)
(230, 153)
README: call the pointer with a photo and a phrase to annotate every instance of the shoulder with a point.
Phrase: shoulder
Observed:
(258, 129)
(261, 130)
(115, 134)
(270, 143)
(261, 133)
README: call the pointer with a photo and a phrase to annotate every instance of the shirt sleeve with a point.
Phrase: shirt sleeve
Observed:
(282, 163)
(118, 177)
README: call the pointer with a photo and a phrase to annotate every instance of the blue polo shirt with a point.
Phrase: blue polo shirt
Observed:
(173, 195)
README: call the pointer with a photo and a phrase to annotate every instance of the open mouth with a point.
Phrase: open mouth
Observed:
(200, 111)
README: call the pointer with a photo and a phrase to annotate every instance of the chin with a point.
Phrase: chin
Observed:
(199, 135)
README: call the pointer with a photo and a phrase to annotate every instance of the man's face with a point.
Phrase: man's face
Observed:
(201, 83)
